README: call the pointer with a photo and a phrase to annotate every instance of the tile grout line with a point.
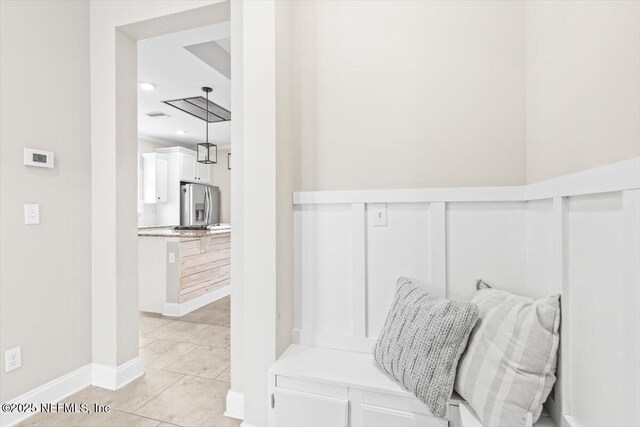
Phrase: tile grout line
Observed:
(141, 416)
(157, 394)
(187, 337)
(204, 378)
(179, 357)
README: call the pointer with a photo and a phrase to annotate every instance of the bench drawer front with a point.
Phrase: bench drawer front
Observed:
(401, 403)
(300, 409)
(377, 416)
(296, 384)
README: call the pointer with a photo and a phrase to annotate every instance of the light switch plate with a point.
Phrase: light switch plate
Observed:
(379, 214)
(31, 214)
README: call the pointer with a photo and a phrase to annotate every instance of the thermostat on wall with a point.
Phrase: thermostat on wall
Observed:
(42, 159)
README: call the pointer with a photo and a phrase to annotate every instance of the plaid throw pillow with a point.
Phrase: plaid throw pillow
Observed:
(509, 366)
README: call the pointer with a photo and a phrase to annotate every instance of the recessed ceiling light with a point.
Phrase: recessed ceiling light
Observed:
(181, 132)
(146, 86)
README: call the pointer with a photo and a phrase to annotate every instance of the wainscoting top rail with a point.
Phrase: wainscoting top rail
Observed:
(417, 195)
(619, 176)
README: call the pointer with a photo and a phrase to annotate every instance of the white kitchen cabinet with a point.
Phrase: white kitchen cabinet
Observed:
(187, 166)
(191, 170)
(155, 177)
(203, 173)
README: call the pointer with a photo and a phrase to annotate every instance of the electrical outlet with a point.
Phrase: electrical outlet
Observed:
(379, 214)
(12, 359)
(32, 214)
(172, 257)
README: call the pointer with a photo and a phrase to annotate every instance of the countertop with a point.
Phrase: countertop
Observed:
(170, 231)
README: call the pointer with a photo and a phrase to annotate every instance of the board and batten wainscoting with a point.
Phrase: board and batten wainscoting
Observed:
(578, 235)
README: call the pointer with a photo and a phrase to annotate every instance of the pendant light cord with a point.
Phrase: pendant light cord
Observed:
(207, 123)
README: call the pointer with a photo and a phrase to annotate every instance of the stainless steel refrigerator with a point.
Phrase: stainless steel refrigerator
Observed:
(199, 205)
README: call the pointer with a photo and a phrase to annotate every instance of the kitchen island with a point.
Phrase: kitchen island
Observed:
(182, 270)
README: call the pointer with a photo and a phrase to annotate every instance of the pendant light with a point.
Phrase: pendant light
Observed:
(207, 152)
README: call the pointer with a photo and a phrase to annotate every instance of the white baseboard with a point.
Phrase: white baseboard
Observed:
(60, 388)
(177, 310)
(51, 392)
(235, 405)
(114, 378)
(569, 421)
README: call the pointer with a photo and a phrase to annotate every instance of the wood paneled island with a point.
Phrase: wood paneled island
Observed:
(182, 270)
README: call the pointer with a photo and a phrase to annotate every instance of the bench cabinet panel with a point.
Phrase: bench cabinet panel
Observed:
(377, 416)
(300, 409)
(299, 402)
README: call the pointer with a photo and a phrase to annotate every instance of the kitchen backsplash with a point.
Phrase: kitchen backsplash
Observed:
(147, 216)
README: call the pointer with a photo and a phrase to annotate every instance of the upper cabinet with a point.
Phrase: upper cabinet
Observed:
(187, 166)
(203, 173)
(155, 177)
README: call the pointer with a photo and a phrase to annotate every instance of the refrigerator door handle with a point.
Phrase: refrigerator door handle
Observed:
(206, 206)
(192, 208)
(210, 213)
(210, 205)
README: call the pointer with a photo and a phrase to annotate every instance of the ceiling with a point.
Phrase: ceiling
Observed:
(179, 65)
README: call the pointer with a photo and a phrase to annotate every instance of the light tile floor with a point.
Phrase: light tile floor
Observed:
(185, 383)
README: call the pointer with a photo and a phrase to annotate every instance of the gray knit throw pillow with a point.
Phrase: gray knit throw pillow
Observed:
(421, 343)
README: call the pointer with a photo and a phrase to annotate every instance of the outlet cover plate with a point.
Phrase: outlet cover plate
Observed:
(12, 359)
(31, 214)
(379, 211)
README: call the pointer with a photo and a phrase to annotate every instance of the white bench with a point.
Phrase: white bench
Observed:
(316, 386)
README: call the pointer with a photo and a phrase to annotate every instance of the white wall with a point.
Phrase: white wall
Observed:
(149, 146)
(424, 94)
(45, 269)
(286, 170)
(409, 94)
(583, 89)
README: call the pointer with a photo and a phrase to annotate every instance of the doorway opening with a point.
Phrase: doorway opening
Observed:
(184, 221)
